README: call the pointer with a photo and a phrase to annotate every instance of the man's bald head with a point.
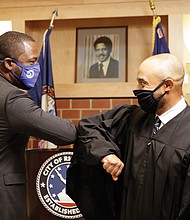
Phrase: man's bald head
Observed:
(164, 66)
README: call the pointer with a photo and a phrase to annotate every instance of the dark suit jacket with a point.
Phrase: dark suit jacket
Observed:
(19, 119)
(112, 72)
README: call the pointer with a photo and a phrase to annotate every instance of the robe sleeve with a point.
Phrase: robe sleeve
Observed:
(88, 184)
(184, 212)
(101, 135)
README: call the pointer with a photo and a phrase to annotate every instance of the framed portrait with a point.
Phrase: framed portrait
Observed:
(101, 55)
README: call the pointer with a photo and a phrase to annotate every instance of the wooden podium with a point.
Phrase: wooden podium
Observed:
(46, 174)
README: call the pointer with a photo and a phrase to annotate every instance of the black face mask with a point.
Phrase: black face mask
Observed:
(146, 99)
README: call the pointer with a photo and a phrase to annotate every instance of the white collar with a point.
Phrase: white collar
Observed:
(172, 112)
(106, 62)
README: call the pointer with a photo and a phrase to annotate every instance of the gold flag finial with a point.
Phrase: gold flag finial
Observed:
(54, 14)
(152, 7)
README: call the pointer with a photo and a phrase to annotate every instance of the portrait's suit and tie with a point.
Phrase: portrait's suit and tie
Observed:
(112, 70)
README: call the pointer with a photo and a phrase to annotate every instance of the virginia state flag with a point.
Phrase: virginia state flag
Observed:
(159, 41)
(43, 93)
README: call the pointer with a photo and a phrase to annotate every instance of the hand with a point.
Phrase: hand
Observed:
(113, 165)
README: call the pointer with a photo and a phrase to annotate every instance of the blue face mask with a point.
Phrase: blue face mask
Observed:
(29, 74)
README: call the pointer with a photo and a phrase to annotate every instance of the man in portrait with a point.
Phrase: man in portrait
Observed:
(106, 66)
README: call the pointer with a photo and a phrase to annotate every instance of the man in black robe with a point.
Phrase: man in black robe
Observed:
(150, 172)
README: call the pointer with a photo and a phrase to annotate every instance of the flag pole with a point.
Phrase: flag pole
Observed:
(159, 44)
(156, 19)
(152, 7)
(54, 14)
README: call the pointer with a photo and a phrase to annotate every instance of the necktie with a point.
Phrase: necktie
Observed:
(157, 124)
(101, 70)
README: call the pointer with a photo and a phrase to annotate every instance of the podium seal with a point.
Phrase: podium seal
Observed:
(51, 186)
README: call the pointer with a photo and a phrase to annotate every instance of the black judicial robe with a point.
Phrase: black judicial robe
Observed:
(155, 182)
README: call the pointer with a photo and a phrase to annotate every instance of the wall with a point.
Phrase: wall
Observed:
(75, 9)
(89, 13)
(76, 100)
(64, 48)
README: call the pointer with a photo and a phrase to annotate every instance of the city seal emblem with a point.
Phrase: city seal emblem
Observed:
(50, 186)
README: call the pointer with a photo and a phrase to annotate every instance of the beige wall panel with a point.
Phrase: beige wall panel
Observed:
(63, 48)
(95, 90)
(63, 42)
(42, 10)
(18, 25)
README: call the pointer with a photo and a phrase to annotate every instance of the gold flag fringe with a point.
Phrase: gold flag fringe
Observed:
(155, 21)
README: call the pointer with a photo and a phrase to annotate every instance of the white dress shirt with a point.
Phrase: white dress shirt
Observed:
(105, 66)
(171, 113)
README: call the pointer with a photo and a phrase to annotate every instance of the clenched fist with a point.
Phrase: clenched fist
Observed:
(113, 165)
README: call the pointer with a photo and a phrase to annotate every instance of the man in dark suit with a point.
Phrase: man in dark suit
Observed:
(106, 67)
(20, 118)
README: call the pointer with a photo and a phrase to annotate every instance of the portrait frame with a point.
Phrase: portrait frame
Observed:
(86, 56)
